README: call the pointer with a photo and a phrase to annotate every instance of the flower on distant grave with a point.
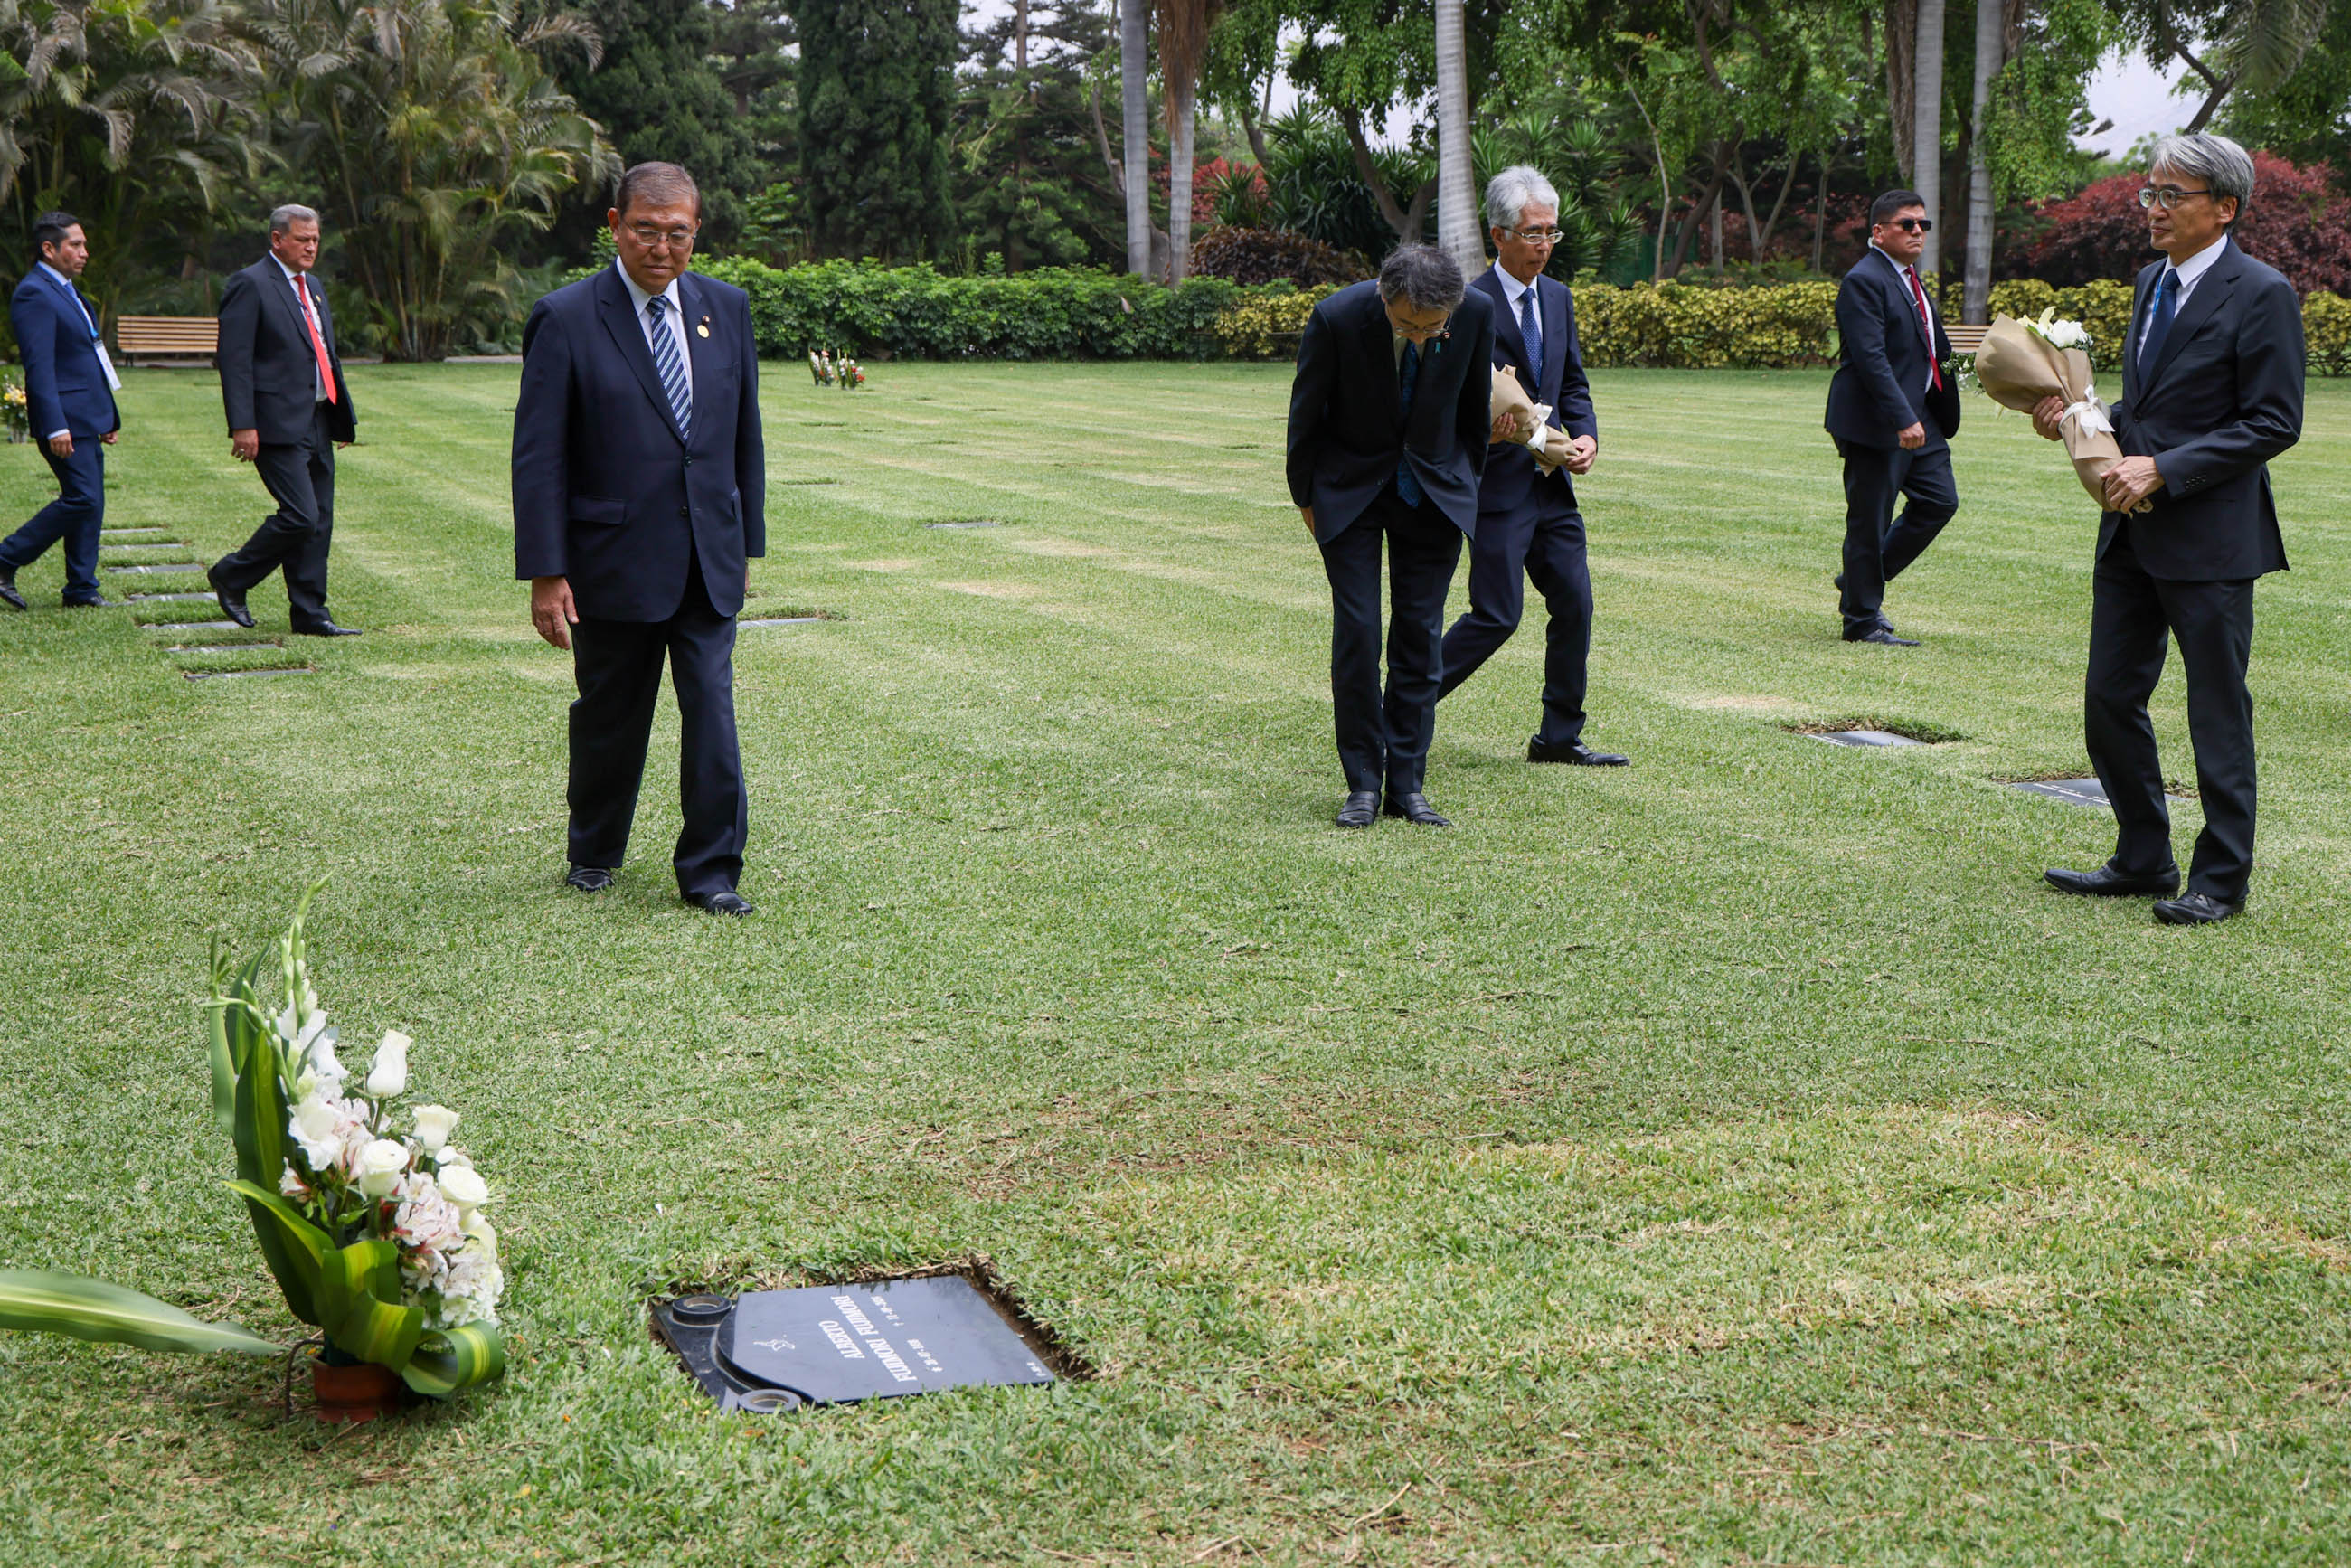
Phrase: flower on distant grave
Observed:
(434, 1125)
(379, 1166)
(389, 1074)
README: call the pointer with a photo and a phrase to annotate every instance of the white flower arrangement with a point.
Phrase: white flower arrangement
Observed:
(2060, 333)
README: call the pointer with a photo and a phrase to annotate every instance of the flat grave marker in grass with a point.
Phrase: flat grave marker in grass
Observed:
(240, 675)
(967, 523)
(783, 620)
(173, 598)
(106, 534)
(184, 625)
(1864, 737)
(158, 568)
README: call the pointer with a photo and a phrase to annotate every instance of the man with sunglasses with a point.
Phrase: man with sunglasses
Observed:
(1388, 424)
(1892, 412)
(639, 492)
(2212, 379)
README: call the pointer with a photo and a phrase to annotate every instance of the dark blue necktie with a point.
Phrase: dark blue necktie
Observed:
(2159, 317)
(1408, 488)
(1532, 333)
(670, 364)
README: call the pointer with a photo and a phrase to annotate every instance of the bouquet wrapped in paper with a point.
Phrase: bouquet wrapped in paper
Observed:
(1549, 444)
(2022, 363)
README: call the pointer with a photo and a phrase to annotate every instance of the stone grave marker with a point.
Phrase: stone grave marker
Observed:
(783, 620)
(837, 1344)
(173, 598)
(1862, 737)
(190, 625)
(241, 675)
(125, 533)
(2075, 792)
(967, 523)
(159, 569)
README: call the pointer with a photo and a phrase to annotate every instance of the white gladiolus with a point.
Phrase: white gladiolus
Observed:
(389, 1075)
(434, 1125)
(378, 1169)
(316, 1125)
(320, 1062)
(464, 1185)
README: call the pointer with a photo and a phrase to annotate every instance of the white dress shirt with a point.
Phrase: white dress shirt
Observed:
(2194, 267)
(673, 318)
(97, 343)
(1910, 276)
(311, 318)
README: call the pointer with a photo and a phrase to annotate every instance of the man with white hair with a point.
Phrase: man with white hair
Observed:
(2212, 374)
(1528, 524)
(282, 388)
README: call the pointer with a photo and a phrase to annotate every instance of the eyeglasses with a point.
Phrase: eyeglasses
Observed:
(648, 236)
(1537, 236)
(1913, 225)
(2166, 196)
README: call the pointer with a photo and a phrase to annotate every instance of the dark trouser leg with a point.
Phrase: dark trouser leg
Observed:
(306, 573)
(1423, 548)
(1351, 561)
(1872, 477)
(286, 470)
(1498, 594)
(75, 517)
(618, 667)
(1563, 577)
(2128, 638)
(709, 856)
(1932, 496)
(2214, 624)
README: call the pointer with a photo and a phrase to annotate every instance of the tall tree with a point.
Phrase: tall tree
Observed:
(1991, 54)
(1183, 47)
(876, 94)
(1134, 148)
(1926, 124)
(1029, 184)
(1457, 188)
(2227, 44)
(657, 93)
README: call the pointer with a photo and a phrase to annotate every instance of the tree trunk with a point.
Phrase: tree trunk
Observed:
(1135, 72)
(1926, 121)
(1405, 221)
(1696, 215)
(1975, 301)
(1179, 181)
(1714, 233)
(1457, 182)
(1901, 80)
(1256, 133)
(1020, 36)
(1820, 212)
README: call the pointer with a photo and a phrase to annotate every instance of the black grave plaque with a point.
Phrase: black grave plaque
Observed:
(2072, 792)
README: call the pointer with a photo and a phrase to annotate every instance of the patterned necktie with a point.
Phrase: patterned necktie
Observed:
(1407, 485)
(2159, 317)
(669, 363)
(318, 343)
(1530, 331)
(1927, 323)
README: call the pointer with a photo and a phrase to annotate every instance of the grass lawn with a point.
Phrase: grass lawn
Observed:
(1740, 1158)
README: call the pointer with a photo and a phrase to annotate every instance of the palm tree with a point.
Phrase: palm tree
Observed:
(1182, 45)
(1991, 50)
(1926, 122)
(1134, 86)
(1456, 190)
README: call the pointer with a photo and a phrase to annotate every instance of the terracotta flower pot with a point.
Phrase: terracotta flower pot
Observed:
(357, 1391)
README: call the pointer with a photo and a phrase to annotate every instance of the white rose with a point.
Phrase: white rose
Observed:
(434, 1125)
(389, 1076)
(378, 1169)
(316, 1125)
(464, 1185)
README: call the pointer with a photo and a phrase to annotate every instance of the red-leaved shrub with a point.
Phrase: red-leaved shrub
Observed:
(2297, 222)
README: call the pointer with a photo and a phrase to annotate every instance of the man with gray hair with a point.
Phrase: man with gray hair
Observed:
(1387, 440)
(288, 409)
(1528, 524)
(2212, 376)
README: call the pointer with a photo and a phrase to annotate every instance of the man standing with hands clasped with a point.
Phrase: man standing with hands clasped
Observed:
(288, 409)
(69, 387)
(639, 491)
(2212, 374)
(1892, 412)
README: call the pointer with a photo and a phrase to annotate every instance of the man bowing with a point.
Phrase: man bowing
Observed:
(639, 491)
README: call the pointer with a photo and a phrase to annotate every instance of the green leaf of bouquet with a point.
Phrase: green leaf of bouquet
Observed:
(258, 1126)
(374, 1325)
(40, 1299)
(297, 1252)
(454, 1359)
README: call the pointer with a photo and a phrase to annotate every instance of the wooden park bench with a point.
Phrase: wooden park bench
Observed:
(1964, 339)
(166, 337)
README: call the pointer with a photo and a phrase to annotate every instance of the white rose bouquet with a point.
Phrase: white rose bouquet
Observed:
(2023, 364)
(368, 1215)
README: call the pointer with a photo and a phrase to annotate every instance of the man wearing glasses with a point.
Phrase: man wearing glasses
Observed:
(640, 493)
(2213, 373)
(1388, 423)
(1892, 412)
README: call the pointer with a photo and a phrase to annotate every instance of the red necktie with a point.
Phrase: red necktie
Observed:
(1925, 322)
(318, 344)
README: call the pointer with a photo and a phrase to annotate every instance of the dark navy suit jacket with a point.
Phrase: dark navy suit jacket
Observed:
(64, 385)
(606, 491)
(1881, 385)
(268, 372)
(2221, 399)
(1346, 436)
(1511, 476)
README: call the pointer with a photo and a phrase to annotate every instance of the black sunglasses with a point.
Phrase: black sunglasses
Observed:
(1913, 225)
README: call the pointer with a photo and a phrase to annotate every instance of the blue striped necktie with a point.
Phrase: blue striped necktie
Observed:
(670, 364)
(1407, 483)
(2159, 317)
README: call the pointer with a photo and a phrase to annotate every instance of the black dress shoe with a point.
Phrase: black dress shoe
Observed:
(588, 878)
(725, 901)
(326, 629)
(2107, 883)
(232, 602)
(1575, 752)
(8, 594)
(1415, 808)
(1881, 633)
(2195, 909)
(1361, 807)
(93, 604)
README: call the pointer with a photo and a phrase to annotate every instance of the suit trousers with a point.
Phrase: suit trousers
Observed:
(2133, 618)
(1385, 739)
(1877, 544)
(1540, 539)
(73, 518)
(618, 667)
(300, 478)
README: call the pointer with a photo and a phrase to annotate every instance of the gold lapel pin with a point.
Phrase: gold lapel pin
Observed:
(703, 330)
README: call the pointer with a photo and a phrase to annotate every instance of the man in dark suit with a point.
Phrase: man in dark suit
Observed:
(1388, 439)
(1891, 410)
(69, 386)
(1528, 524)
(2213, 375)
(282, 387)
(639, 492)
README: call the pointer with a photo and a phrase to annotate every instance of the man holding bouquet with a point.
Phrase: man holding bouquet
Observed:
(1892, 412)
(2212, 374)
